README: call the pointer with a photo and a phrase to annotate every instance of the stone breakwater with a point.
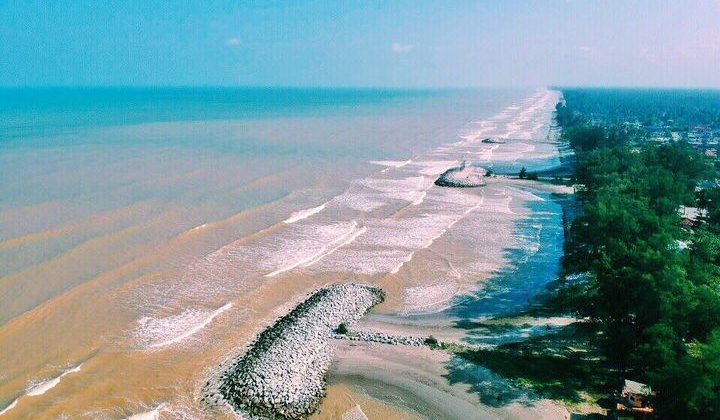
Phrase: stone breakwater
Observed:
(381, 337)
(282, 374)
(463, 176)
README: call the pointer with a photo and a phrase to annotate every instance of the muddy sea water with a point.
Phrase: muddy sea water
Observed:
(147, 233)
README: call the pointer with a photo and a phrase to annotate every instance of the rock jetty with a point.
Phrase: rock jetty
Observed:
(493, 141)
(384, 338)
(463, 176)
(282, 374)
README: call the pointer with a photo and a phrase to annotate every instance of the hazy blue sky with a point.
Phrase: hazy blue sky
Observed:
(363, 43)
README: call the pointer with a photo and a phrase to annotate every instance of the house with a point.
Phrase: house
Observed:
(635, 393)
(635, 398)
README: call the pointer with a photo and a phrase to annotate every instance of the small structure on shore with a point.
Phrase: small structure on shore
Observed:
(463, 176)
(635, 398)
(490, 140)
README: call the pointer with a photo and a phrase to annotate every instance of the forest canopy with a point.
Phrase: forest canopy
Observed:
(650, 274)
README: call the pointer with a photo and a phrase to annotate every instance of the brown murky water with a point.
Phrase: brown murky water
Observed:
(131, 272)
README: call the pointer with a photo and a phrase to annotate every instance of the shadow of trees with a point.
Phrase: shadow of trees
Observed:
(561, 365)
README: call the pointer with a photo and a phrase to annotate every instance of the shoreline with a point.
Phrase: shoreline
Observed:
(508, 198)
(448, 327)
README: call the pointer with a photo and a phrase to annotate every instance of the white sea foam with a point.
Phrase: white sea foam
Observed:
(526, 195)
(382, 239)
(342, 242)
(45, 386)
(354, 413)
(434, 167)
(392, 242)
(326, 249)
(423, 298)
(9, 407)
(420, 198)
(364, 202)
(391, 163)
(304, 214)
(153, 414)
(42, 387)
(397, 268)
(154, 333)
(198, 227)
(405, 189)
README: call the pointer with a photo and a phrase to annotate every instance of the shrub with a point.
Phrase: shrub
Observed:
(341, 329)
(431, 341)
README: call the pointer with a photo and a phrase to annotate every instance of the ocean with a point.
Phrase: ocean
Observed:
(147, 234)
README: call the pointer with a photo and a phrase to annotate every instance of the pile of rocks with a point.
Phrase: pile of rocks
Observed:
(282, 375)
(381, 337)
(463, 176)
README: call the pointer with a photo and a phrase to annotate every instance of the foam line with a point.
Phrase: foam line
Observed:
(433, 239)
(45, 386)
(350, 235)
(391, 163)
(420, 198)
(153, 414)
(399, 266)
(198, 227)
(9, 407)
(304, 214)
(195, 328)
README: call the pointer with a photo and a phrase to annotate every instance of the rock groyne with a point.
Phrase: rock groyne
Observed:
(463, 176)
(383, 338)
(282, 374)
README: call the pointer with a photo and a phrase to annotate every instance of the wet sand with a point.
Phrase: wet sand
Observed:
(414, 381)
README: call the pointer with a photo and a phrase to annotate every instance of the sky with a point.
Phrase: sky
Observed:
(360, 43)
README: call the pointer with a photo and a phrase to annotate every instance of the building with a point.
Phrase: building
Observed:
(635, 398)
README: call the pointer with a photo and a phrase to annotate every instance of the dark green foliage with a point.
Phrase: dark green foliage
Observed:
(649, 107)
(341, 329)
(564, 116)
(523, 173)
(689, 382)
(657, 304)
(709, 199)
(431, 341)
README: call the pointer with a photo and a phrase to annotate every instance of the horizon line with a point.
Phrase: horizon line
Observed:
(363, 87)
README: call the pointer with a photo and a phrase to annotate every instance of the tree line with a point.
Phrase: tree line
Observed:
(635, 264)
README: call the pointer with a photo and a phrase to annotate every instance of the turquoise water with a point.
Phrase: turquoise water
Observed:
(534, 263)
(28, 112)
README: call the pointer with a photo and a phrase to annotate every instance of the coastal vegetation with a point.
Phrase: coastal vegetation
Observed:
(642, 260)
(678, 109)
(524, 174)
